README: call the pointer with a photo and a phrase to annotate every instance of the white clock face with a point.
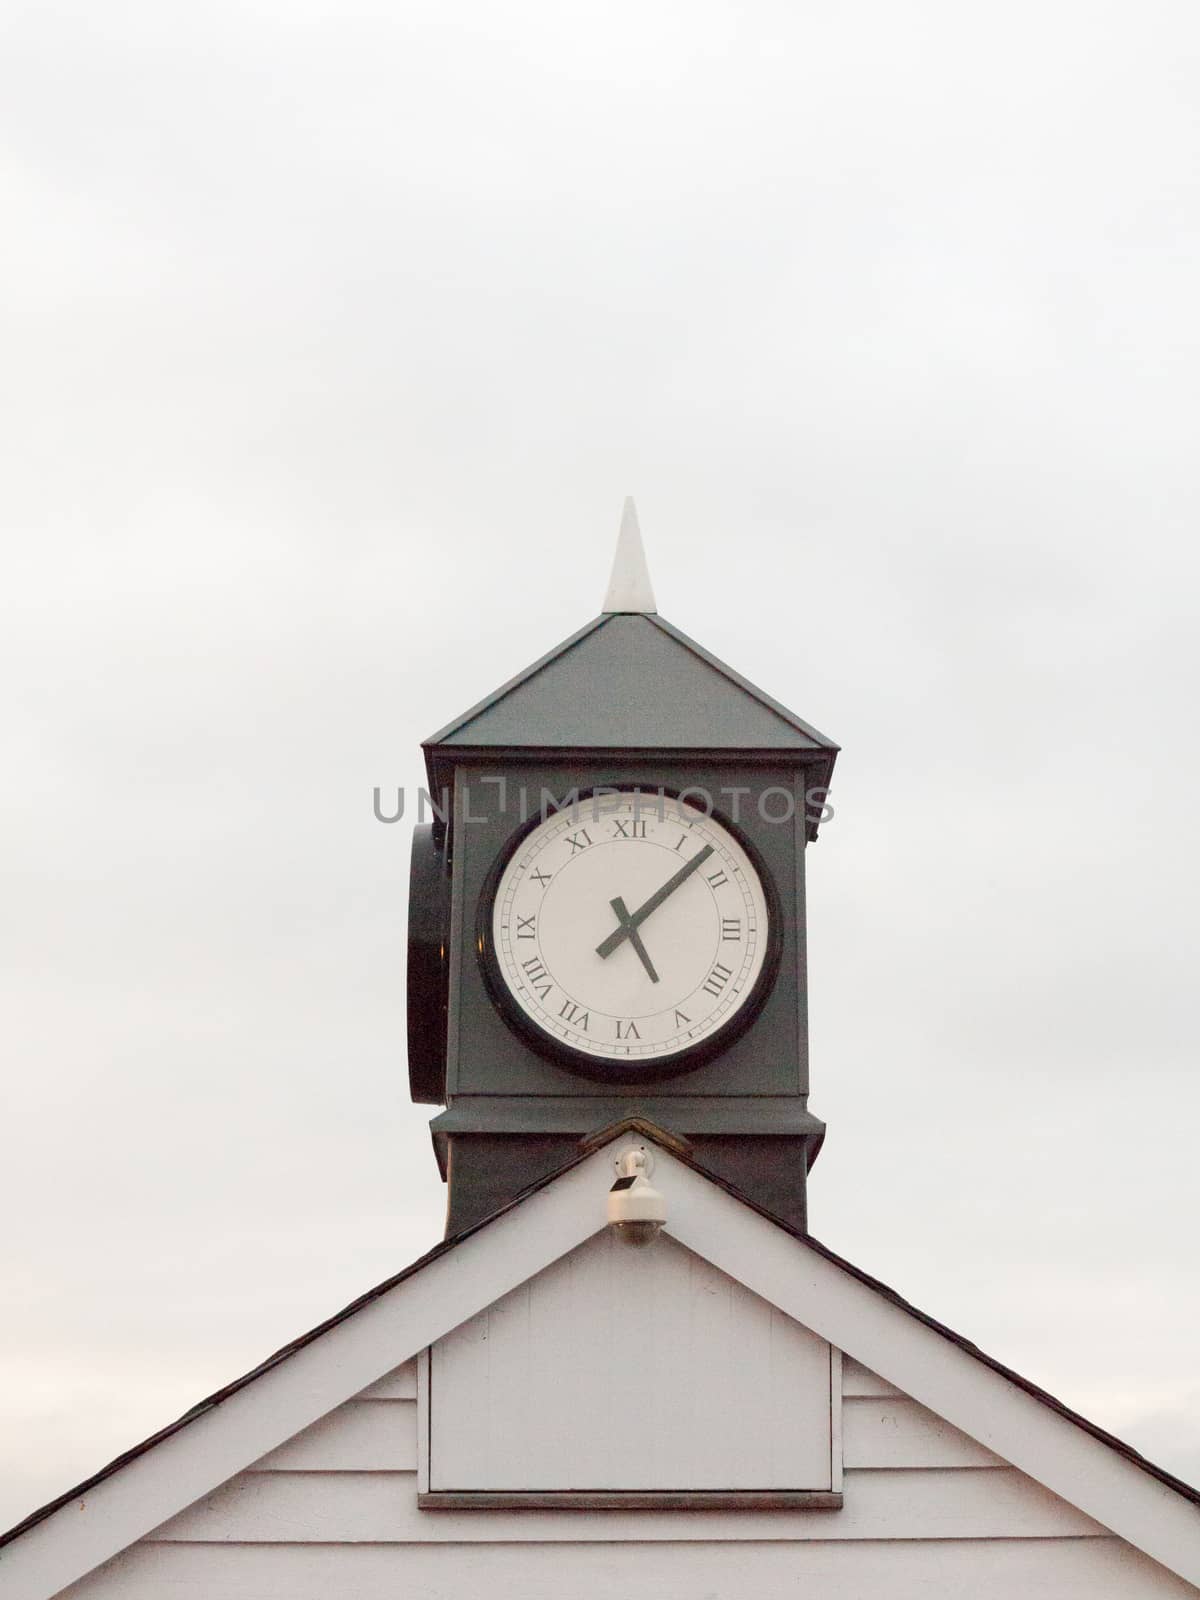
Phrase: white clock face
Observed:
(630, 929)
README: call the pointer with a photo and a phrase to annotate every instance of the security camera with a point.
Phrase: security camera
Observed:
(636, 1210)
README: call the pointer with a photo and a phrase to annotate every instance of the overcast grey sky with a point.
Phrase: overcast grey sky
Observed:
(333, 336)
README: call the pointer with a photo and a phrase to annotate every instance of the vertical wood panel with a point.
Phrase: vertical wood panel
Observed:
(630, 1369)
(422, 1383)
(709, 1378)
(801, 1432)
(457, 1397)
(514, 1435)
(553, 1337)
(836, 1411)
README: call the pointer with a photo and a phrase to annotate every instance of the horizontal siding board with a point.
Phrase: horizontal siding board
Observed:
(1032, 1569)
(859, 1380)
(381, 1507)
(398, 1385)
(361, 1436)
(900, 1433)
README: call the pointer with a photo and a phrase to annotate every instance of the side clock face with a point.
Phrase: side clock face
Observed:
(629, 936)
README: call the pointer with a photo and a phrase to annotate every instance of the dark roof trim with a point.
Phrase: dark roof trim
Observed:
(650, 1131)
(1188, 1491)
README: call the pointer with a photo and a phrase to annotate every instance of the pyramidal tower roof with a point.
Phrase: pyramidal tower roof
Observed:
(629, 680)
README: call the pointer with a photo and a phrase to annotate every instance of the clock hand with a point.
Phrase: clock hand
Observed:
(627, 929)
(635, 937)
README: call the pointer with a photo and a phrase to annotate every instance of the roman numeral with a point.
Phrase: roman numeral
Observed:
(630, 830)
(571, 1013)
(682, 841)
(681, 1021)
(540, 877)
(717, 979)
(539, 978)
(731, 927)
(716, 878)
(525, 928)
(574, 838)
(627, 1030)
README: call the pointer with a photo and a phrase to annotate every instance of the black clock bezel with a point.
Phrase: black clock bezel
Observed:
(648, 1069)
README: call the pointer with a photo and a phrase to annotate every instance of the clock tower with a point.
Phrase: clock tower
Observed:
(607, 915)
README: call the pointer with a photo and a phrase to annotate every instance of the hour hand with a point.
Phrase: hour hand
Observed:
(630, 924)
(629, 927)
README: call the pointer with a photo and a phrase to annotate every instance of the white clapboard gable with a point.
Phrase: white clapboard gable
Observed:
(908, 1474)
(306, 1478)
(619, 1370)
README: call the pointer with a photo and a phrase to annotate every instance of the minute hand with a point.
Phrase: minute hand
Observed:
(606, 946)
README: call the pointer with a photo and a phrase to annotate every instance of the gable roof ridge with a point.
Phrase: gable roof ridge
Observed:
(674, 1142)
(293, 1346)
(969, 1347)
(211, 1401)
(588, 1148)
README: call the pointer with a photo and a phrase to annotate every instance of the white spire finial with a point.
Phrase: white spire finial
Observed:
(629, 586)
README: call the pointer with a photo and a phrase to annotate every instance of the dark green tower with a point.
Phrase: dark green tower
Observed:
(625, 830)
